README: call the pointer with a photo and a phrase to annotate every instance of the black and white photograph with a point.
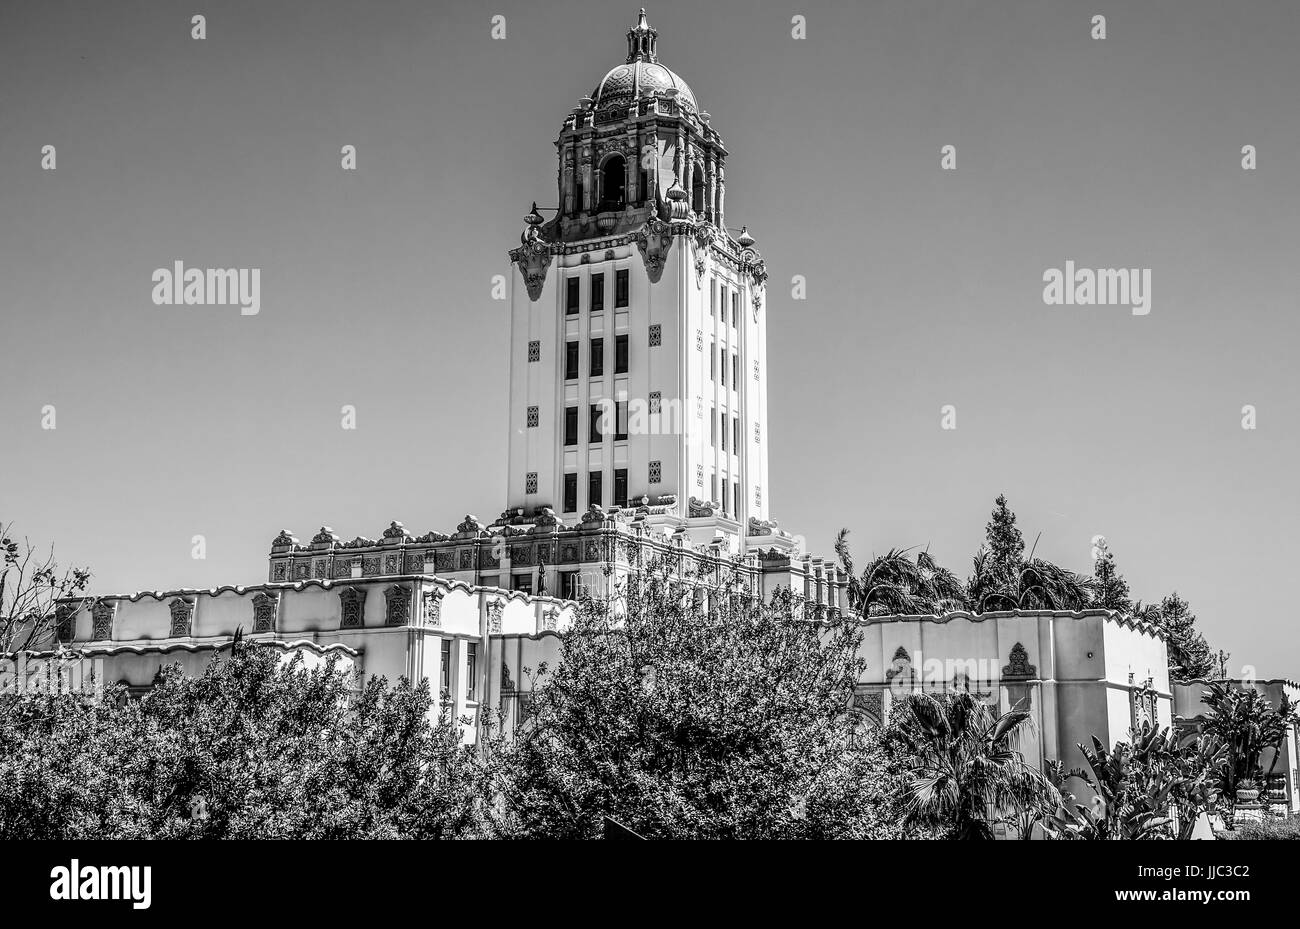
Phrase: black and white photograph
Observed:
(869, 422)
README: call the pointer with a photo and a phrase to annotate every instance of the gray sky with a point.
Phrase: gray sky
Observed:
(924, 286)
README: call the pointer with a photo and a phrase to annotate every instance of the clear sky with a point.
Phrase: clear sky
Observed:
(924, 286)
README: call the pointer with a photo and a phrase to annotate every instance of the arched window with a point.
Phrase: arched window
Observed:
(697, 193)
(613, 183)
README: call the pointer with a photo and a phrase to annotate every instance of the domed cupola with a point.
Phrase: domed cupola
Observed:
(641, 75)
(622, 150)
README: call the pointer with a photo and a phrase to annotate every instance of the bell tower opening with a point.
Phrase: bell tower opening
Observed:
(613, 184)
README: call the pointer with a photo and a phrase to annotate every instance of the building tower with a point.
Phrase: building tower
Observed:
(637, 325)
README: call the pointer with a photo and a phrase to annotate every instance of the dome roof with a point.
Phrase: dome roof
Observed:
(641, 74)
(627, 81)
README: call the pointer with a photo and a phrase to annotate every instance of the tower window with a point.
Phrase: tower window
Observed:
(597, 357)
(620, 354)
(571, 296)
(713, 430)
(571, 493)
(735, 370)
(722, 424)
(620, 486)
(697, 192)
(620, 288)
(735, 434)
(722, 365)
(597, 293)
(735, 306)
(713, 364)
(620, 428)
(570, 425)
(593, 426)
(736, 489)
(446, 668)
(723, 499)
(613, 183)
(595, 491)
(570, 360)
(471, 668)
(578, 205)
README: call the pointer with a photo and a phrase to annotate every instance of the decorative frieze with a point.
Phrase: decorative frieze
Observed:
(352, 601)
(102, 615)
(182, 611)
(397, 605)
(265, 608)
(495, 610)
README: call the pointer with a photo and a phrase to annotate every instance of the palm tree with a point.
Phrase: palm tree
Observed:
(895, 584)
(965, 774)
(1037, 584)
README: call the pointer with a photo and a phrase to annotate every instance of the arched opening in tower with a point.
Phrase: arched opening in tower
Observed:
(613, 183)
(697, 194)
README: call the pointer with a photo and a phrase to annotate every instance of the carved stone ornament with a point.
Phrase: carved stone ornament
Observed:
(353, 601)
(697, 507)
(264, 610)
(550, 619)
(533, 258)
(182, 616)
(396, 530)
(285, 539)
(595, 514)
(1019, 667)
(470, 523)
(654, 240)
(326, 536)
(703, 238)
(397, 600)
(102, 614)
(545, 518)
(495, 609)
(433, 608)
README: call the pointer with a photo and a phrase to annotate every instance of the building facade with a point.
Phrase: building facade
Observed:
(638, 431)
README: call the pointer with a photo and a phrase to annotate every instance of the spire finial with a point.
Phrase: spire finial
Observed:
(641, 40)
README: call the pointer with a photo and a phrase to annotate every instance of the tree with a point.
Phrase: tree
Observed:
(1036, 585)
(31, 583)
(257, 747)
(681, 707)
(1247, 725)
(1153, 786)
(895, 584)
(1005, 546)
(1109, 589)
(965, 775)
(1189, 653)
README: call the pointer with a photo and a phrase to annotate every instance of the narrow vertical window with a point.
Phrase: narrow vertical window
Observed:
(723, 500)
(722, 365)
(597, 293)
(620, 425)
(570, 360)
(595, 489)
(471, 668)
(620, 487)
(571, 296)
(735, 370)
(722, 428)
(445, 687)
(620, 288)
(570, 493)
(597, 357)
(620, 354)
(593, 424)
(570, 426)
